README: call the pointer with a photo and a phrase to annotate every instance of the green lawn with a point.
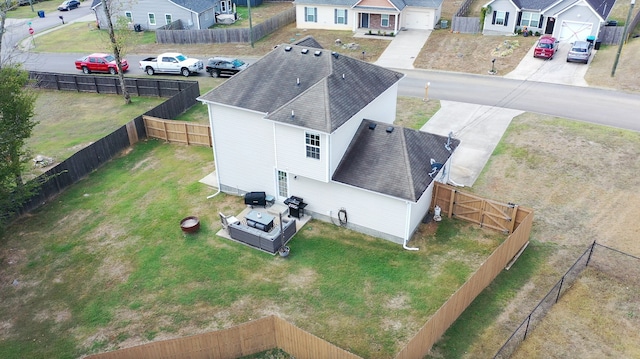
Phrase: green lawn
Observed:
(106, 264)
(50, 8)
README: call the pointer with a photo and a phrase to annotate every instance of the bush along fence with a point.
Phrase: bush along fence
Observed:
(178, 34)
(271, 332)
(609, 260)
(182, 95)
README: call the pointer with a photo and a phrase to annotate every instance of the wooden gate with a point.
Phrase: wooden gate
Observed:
(487, 213)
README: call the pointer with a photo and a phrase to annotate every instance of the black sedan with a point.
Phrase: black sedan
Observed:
(69, 5)
(219, 66)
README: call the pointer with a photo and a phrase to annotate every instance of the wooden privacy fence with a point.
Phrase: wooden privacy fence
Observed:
(177, 131)
(242, 340)
(177, 34)
(465, 25)
(421, 343)
(271, 332)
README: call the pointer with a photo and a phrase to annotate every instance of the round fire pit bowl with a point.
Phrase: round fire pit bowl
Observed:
(190, 224)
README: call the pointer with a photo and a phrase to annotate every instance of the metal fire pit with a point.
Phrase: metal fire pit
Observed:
(190, 224)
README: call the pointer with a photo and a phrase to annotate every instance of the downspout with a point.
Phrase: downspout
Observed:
(215, 158)
(406, 229)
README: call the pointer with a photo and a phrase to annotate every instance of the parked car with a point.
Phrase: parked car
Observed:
(171, 62)
(69, 5)
(546, 47)
(218, 66)
(100, 63)
(580, 52)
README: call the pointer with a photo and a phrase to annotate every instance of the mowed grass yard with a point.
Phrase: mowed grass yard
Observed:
(105, 265)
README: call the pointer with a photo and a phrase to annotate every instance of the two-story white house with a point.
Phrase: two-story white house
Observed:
(318, 125)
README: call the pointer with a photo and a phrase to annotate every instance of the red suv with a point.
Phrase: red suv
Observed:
(546, 47)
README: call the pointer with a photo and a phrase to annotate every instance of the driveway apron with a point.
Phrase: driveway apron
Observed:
(403, 49)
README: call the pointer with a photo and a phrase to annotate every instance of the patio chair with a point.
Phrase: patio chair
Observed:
(225, 220)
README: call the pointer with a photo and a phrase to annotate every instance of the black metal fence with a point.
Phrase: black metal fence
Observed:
(182, 95)
(612, 261)
(177, 34)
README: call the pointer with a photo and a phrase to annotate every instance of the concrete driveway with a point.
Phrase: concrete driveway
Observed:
(557, 71)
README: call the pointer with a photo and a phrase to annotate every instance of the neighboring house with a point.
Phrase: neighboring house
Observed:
(384, 15)
(152, 14)
(566, 20)
(314, 124)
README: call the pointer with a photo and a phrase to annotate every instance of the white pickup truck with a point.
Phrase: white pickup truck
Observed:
(172, 63)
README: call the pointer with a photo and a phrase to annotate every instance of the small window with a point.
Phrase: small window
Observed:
(313, 145)
(129, 16)
(311, 14)
(167, 19)
(530, 19)
(384, 20)
(341, 16)
(152, 18)
(500, 18)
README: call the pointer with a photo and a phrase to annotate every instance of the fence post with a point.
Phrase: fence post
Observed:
(526, 330)
(560, 289)
(590, 253)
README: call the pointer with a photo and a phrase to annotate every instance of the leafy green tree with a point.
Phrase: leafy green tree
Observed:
(17, 104)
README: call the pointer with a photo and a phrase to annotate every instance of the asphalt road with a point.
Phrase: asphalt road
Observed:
(600, 106)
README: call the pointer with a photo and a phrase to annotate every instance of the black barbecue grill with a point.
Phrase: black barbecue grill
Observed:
(296, 206)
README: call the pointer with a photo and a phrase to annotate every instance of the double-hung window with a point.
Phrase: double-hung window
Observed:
(313, 145)
(530, 19)
(311, 14)
(500, 18)
(152, 18)
(341, 16)
(167, 19)
(129, 16)
(384, 20)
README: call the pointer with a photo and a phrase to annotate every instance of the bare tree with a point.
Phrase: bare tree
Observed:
(118, 47)
(5, 6)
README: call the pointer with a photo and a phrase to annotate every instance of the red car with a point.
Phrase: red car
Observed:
(100, 63)
(546, 47)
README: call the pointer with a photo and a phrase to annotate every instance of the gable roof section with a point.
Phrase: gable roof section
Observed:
(601, 7)
(313, 87)
(197, 6)
(369, 4)
(424, 3)
(346, 3)
(308, 41)
(395, 163)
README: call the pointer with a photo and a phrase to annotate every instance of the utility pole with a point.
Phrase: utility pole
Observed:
(623, 39)
(251, 27)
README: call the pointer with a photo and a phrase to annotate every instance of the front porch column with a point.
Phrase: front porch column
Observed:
(395, 25)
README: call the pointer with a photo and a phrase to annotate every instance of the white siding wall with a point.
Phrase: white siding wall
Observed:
(243, 148)
(292, 156)
(379, 213)
(501, 5)
(382, 109)
(326, 18)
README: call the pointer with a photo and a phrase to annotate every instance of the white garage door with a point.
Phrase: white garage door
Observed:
(573, 31)
(418, 20)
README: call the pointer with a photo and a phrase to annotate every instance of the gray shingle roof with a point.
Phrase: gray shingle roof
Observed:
(197, 6)
(602, 7)
(399, 4)
(331, 89)
(395, 163)
(308, 41)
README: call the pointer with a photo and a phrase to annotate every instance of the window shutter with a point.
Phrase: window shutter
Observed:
(541, 20)
(519, 18)
(493, 20)
(346, 16)
(315, 14)
(306, 16)
(335, 16)
(506, 19)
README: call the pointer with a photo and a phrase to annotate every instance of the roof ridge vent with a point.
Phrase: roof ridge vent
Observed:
(317, 53)
(304, 51)
(287, 48)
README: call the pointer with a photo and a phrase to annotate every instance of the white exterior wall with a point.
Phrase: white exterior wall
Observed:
(326, 18)
(382, 109)
(291, 152)
(501, 5)
(366, 209)
(243, 149)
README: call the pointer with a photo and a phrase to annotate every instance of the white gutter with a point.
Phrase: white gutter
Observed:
(406, 229)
